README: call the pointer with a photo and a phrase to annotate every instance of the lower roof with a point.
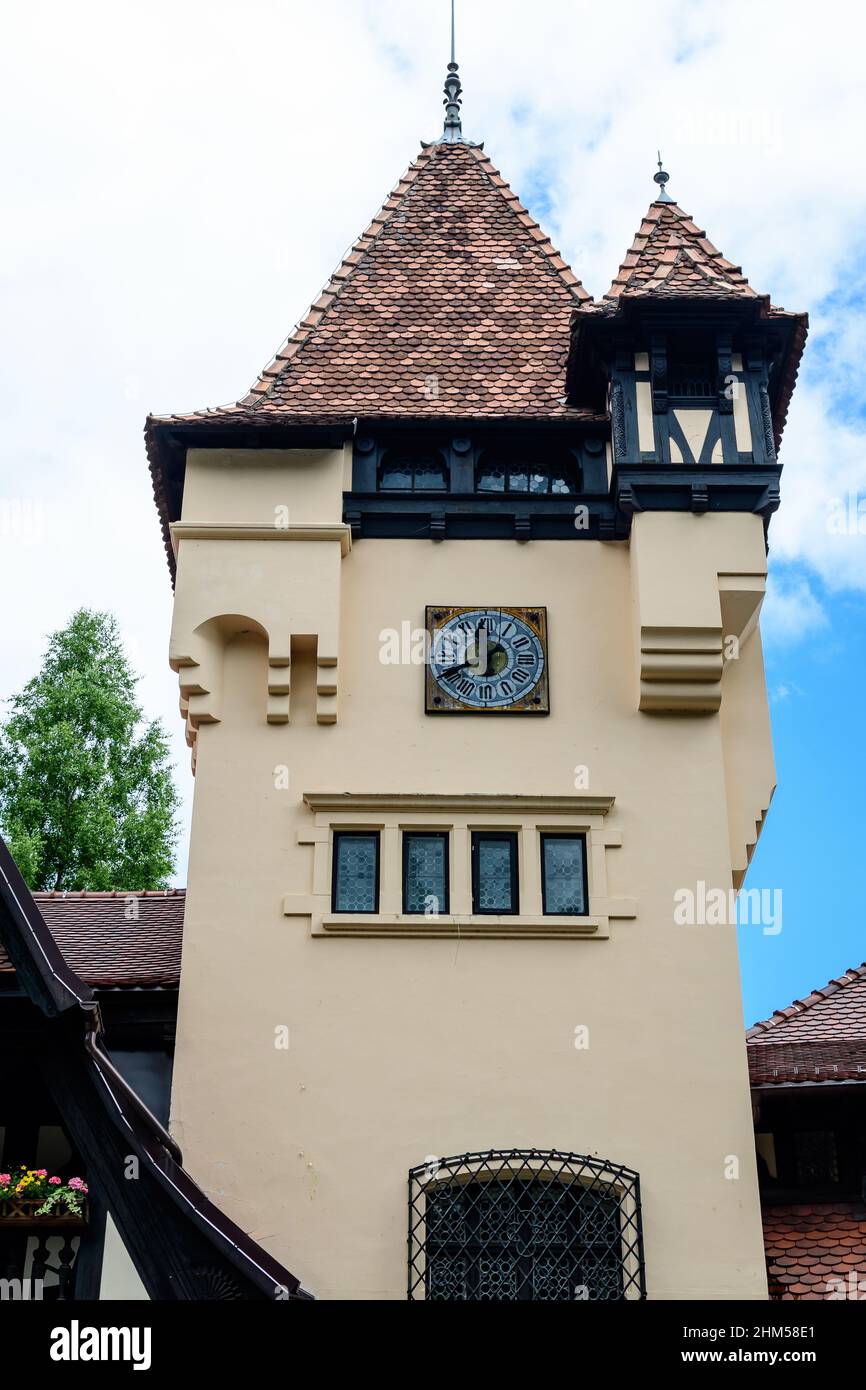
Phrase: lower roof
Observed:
(821, 1038)
(116, 940)
(813, 1249)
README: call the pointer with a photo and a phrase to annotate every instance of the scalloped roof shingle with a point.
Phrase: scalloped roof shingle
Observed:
(809, 1247)
(452, 302)
(671, 257)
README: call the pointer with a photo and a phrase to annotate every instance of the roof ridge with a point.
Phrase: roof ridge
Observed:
(67, 894)
(799, 1006)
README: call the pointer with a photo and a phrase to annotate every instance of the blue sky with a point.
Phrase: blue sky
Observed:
(137, 273)
(812, 846)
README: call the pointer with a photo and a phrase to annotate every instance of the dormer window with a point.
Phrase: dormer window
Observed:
(528, 477)
(401, 471)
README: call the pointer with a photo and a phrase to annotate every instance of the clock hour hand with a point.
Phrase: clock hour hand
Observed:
(470, 661)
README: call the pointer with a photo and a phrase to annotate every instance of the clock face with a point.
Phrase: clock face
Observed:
(487, 661)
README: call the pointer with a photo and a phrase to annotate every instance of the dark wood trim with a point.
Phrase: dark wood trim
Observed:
(91, 1250)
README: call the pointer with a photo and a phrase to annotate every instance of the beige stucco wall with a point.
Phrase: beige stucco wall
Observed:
(403, 1048)
(225, 485)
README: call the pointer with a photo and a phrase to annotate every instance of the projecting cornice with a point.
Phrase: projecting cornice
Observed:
(470, 803)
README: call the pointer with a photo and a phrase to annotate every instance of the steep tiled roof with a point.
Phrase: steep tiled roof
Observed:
(808, 1246)
(819, 1038)
(452, 302)
(671, 258)
(116, 940)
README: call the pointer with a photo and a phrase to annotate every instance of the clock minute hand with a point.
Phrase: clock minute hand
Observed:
(452, 670)
(475, 660)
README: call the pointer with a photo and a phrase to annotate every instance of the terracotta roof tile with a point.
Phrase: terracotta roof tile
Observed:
(808, 1246)
(110, 947)
(695, 268)
(819, 1038)
(430, 289)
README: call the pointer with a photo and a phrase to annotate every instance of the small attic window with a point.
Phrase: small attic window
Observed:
(401, 471)
(692, 379)
(517, 474)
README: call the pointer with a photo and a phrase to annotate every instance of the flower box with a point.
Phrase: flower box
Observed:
(30, 1198)
(20, 1212)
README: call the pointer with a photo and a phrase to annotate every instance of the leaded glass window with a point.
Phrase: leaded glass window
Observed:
(356, 871)
(524, 1225)
(425, 872)
(506, 473)
(413, 472)
(494, 872)
(563, 875)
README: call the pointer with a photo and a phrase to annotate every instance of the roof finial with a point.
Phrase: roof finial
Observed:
(661, 179)
(453, 131)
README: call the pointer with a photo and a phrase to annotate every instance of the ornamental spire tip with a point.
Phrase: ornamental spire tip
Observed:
(452, 132)
(661, 179)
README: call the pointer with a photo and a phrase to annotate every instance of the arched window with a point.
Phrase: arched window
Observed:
(515, 473)
(524, 1225)
(405, 471)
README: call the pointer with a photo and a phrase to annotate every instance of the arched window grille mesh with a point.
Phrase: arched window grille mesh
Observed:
(524, 1225)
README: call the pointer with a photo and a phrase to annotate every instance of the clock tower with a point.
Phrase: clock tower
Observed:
(466, 628)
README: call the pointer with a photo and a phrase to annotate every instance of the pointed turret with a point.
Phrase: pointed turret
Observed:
(699, 368)
(671, 257)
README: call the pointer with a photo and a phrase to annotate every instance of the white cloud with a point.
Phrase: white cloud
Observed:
(823, 491)
(183, 177)
(791, 612)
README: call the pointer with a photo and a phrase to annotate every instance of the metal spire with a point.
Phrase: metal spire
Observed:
(452, 133)
(661, 179)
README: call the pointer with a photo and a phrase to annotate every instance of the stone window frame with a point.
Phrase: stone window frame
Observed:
(392, 813)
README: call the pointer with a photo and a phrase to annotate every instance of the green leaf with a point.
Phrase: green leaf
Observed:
(87, 798)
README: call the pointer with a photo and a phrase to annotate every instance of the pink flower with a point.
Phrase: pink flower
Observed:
(78, 1185)
(5, 1178)
(42, 1172)
(53, 1182)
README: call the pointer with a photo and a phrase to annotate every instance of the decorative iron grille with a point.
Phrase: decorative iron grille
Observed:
(524, 1224)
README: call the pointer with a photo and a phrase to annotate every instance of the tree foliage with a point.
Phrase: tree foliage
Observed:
(86, 793)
